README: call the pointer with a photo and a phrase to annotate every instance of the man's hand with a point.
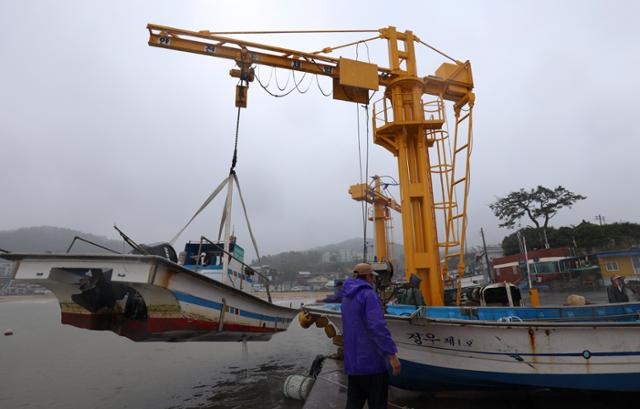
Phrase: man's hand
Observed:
(395, 364)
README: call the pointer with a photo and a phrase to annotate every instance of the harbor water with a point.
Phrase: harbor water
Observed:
(45, 364)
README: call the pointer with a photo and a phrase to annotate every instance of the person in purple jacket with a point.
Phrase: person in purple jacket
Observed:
(369, 350)
(336, 297)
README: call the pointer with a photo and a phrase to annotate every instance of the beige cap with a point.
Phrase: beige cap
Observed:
(364, 269)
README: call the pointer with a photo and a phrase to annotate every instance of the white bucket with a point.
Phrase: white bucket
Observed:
(297, 386)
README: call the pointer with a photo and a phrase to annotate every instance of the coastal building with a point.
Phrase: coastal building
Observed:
(480, 261)
(317, 283)
(544, 264)
(620, 262)
(341, 256)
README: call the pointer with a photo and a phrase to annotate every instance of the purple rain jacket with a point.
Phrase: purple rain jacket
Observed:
(367, 341)
(336, 297)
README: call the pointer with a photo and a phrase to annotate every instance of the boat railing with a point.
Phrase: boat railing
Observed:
(246, 266)
(78, 238)
(628, 314)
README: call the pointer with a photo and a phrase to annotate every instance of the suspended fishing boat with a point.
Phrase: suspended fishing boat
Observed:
(154, 298)
(203, 294)
(593, 347)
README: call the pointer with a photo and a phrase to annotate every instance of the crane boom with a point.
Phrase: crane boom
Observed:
(351, 79)
(403, 124)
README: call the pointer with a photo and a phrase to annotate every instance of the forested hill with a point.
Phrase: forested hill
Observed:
(53, 239)
(337, 257)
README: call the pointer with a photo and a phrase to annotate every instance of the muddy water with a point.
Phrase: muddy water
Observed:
(49, 365)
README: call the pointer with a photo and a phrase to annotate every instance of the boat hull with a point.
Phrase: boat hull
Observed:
(149, 298)
(441, 354)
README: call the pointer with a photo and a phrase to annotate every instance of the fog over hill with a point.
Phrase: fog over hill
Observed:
(356, 244)
(58, 239)
(55, 239)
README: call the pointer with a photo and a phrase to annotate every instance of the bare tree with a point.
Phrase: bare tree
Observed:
(539, 205)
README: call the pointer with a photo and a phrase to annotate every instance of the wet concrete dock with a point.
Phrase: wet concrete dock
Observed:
(330, 388)
(329, 391)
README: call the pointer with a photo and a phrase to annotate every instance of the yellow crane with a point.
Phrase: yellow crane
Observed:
(403, 123)
(380, 217)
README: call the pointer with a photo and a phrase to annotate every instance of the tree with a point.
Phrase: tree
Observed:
(586, 237)
(539, 205)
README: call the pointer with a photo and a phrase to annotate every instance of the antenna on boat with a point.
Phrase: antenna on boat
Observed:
(130, 241)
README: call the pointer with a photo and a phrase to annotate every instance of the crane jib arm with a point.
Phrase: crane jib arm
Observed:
(352, 80)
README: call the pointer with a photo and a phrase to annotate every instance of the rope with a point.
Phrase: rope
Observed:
(246, 217)
(217, 190)
(202, 207)
(438, 51)
(288, 32)
(327, 50)
(227, 204)
(363, 204)
(366, 168)
(366, 176)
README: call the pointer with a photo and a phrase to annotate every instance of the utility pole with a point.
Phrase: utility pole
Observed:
(600, 219)
(486, 257)
(533, 292)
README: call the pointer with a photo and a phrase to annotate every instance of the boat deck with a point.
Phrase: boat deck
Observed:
(623, 312)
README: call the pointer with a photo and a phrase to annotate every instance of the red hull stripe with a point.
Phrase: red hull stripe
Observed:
(142, 329)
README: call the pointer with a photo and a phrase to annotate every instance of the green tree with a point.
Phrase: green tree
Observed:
(587, 237)
(539, 205)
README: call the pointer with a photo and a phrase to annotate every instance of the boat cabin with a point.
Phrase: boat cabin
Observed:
(209, 258)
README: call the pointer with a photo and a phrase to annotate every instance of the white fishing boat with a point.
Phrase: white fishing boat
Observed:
(592, 347)
(154, 298)
(151, 294)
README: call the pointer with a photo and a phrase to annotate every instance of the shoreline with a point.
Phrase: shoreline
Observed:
(277, 296)
(9, 298)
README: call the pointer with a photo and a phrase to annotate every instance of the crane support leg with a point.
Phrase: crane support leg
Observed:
(418, 218)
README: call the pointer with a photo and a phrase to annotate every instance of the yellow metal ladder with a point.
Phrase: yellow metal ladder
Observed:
(451, 174)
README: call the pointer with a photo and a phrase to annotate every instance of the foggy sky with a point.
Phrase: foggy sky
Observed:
(99, 128)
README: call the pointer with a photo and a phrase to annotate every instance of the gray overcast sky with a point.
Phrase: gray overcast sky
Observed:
(97, 127)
